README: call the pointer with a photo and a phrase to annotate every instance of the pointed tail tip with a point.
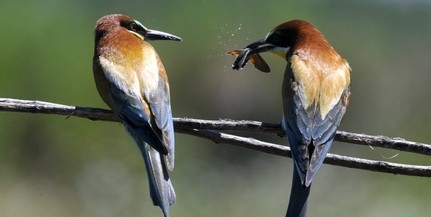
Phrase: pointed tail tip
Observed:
(168, 200)
(165, 209)
(172, 195)
(166, 212)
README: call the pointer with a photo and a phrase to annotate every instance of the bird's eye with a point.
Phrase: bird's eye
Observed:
(134, 26)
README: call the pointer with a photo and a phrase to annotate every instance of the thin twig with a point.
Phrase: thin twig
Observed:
(207, 129)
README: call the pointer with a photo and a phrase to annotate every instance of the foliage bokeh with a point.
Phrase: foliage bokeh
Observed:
(51, 166)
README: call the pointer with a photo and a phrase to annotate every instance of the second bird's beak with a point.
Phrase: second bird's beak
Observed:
(263, 46)
(251, 52)
(150, 35)
(259, 46)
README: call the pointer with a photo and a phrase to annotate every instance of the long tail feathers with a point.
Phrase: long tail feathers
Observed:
(298, 197)
(161, 189)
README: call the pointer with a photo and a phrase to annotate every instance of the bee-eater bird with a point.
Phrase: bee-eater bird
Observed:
(132, 81)
(315, 93)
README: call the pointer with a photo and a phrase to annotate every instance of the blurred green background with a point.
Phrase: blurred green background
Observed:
(52, 166)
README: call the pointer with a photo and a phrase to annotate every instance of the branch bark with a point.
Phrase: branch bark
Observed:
(209, 129)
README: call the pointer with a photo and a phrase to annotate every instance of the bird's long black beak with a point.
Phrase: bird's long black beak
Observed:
(259, 46)
(253, 50)
(150, 35)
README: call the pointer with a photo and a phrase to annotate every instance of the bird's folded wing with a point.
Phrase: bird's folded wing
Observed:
(161, 109)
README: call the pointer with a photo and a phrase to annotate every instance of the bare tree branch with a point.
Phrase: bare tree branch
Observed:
(208, 129)
(34, 106)
(354, 138)
(333, 159)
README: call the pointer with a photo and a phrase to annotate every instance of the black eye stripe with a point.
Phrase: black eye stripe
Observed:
(275, 38)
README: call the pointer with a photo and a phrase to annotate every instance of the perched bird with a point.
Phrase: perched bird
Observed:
(132, 81)
(315, 93)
